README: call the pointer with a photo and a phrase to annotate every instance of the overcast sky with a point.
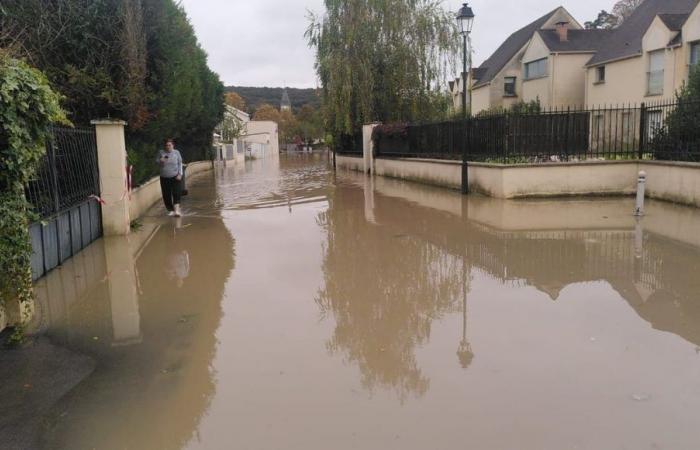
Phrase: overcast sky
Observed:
(261, 42)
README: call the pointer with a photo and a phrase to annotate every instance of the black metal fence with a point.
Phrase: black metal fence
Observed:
(68, 174)
(666, 131)
(64, 195)
(350, 144)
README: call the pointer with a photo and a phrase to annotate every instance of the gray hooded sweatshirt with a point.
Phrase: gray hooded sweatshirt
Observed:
(173, 163)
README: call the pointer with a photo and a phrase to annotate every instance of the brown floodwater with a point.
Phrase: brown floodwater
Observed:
(297, 308)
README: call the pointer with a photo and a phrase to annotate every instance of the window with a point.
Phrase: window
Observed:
(600, 74)
(655, 85)
(509, 87)
(655, 121)
(695, 53)
(536, 69)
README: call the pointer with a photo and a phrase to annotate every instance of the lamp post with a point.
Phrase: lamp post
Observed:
(465, 18)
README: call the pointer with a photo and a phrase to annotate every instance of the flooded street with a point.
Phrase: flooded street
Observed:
(296, 308)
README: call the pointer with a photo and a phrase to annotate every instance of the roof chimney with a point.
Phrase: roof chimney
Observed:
(563, 31)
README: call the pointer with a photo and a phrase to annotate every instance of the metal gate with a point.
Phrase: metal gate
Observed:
(64, 195)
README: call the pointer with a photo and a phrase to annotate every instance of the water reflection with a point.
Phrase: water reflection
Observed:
(458, 319)
(383, 291)
(148, 323)
(464, 351)
(400, 257)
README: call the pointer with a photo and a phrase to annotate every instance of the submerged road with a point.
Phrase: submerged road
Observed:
(296, 308)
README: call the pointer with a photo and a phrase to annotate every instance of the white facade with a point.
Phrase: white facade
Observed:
(261, 138)
(257, 139)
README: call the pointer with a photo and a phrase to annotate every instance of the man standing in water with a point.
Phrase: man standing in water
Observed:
(170, 162)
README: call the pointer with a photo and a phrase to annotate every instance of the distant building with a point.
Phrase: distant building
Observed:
(257, 138)
(264, 133)
(285, 104)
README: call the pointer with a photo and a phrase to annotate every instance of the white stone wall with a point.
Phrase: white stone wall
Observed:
(675, 182)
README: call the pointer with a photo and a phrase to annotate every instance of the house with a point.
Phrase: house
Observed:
(261, 138)
(256, 138)
(555, 61)
(647, 58)
(457, 90)
(498, 82)
(553, 66)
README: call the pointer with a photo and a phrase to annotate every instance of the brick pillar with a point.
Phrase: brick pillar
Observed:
(111, 160)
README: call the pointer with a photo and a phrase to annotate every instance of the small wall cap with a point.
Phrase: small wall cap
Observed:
(108, 122)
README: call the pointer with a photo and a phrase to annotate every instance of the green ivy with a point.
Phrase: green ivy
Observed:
(28, 106)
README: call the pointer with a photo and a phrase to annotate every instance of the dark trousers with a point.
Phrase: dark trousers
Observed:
(172, 190)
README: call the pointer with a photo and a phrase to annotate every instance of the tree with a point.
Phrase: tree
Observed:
(287, 126)
(285, 120)
(385, 60)
(257, 96)
(137, 60)
(604, 21)
(235, 100)
(231, 127)
(679, 138)
(624, 8)
(92, 52)
(267, 112)
(309, 124)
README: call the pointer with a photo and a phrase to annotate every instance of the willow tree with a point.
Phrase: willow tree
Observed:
(383, 60)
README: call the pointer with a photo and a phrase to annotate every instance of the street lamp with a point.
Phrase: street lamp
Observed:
(465, 18)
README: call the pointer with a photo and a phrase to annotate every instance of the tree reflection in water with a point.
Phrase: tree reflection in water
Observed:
(383, 290)
(388, 278)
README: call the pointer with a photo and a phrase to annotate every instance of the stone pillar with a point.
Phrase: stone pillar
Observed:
(368, 147)
(111, 160)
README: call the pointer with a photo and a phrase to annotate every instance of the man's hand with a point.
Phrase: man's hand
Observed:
(178, 177)
(162, 160)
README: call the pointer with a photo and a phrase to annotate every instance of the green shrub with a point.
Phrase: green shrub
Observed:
(679, 138)
(28, 106)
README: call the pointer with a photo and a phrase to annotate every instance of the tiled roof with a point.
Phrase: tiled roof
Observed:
(678, 40)
(626, 40)
(674, 22)
(578, 40)
(478, 73)
(492, 66)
